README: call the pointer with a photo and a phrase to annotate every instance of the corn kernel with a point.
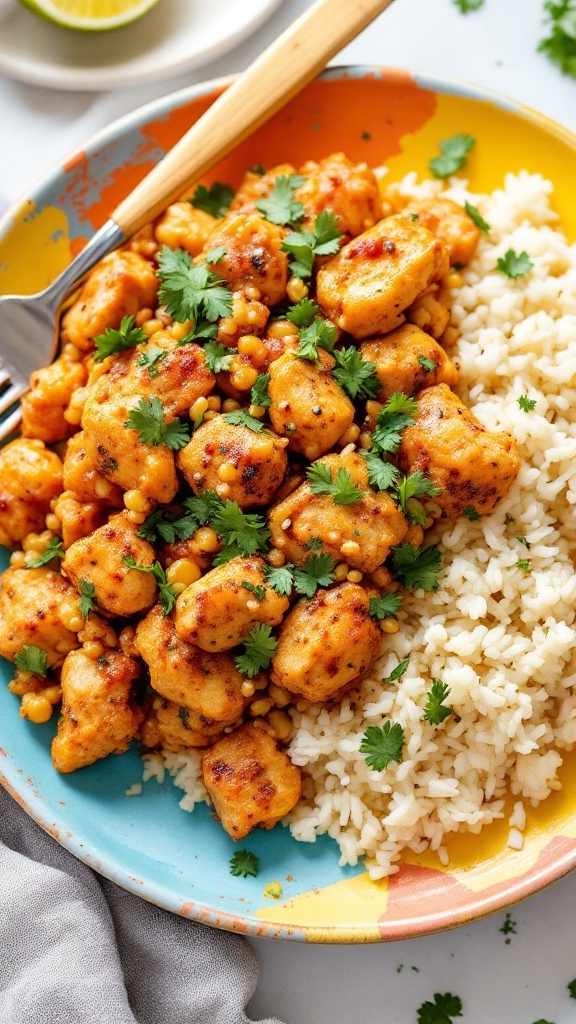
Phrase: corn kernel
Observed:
(281, 329)
(260, 707)
(252, 292)
(127, 640)
(415, 535)
(279, 695)
(365, 440)
(135, 501)
(229, 473)
(230, 405)
(244, 378)
(247, 688)
(178, 588)
(432, 509)
(373, 408)
(223, 490)
(249, 345)
(183, 571)
(281, 724)
(350, 548)
(206, 540)
(260, 682)
(73, 416)
(389, 625)
(340, 572)
(214, 403)
(350, 436)
(102, 488)
(381, 577)
(210, 415)
(179, 331)
(136, 517)
(53, 693)
(276, 558)
(70, 352)
(296, 289)
(197, 410)
(17, 559)
(93, 649)
(52, 522)
(25, 682)
(354, 576)
(143, 315)
(151, 326)
(36, 708)
(257, 411)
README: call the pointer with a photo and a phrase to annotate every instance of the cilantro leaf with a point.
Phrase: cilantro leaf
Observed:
(417, 567)
(148, 420)
(318, 334)
(240, 417)
(259, 649)
(243, 533)
(454, 152)
(280, 579)
(54, 549)
(259, 393)
(191, 291)
(409, 489)
(355, 375)
(314, 544)
(525, 403)
(218, 357)
(427, 364)
(466, 6)
(258, 591)
(32, 659)
(318, 571)
(112, 341)
(524, 564)
(475, 216)
(202, 331)
(381, 475)
(167, 526)
(384, 607)
(525, 542)
(398, 672)
(509, 927)
(560, 45)
(398, 413)
(166, 595)
(441, 1011)
(514, 264)
(280, 207)
(435, 711)
(571, 986)
(87, 598)
(244, 863)
(303, 313)
(306, 245)
(382, 745)
(151, 358)
(214, 200)
(340, 488)
(471, 513)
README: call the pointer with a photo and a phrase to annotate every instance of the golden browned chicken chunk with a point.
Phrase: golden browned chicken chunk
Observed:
(120, 285)
(368, 285)
(450, 223)
(32, 602)
(99, 560)
(256, 186)
(218, 612)
(184, 227)
(50, 392)
(360, 534)
(30, 476)
(78, 518)
(83, 479)
(174, 727)
(234, 461)
(207, 684)
(99, 713)
(403, 360)
(325, 643)
(253, 255)
(308, 406)
(250, 780)
(473, 466)
(348, 190)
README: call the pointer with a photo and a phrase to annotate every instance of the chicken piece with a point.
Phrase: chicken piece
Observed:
(450, 223)
(253, 256)
(325, 643)
(77, 518)
(255, 186)
(255, 462)
(218, 612)
(397, 357)
(118, 454)
(360, 534)
(83, 479)
(308, 406)
(347, 190)
(99, 713)
(175, 728)
(184, 227)
(368, 285)
(182, 375)
(250, 780)
(30, 476)
(32, 602)
(119, 286)
(99, 559)
(50, 392)
(207, 684)
(473, 466)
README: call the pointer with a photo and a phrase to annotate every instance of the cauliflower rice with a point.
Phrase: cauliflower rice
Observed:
(502, 638)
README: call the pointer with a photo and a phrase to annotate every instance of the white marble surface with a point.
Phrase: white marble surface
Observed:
(522, 982)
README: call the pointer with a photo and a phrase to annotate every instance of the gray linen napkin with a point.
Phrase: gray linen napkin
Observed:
(76, 949)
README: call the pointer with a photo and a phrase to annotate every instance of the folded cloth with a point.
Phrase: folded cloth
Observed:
(76, 949)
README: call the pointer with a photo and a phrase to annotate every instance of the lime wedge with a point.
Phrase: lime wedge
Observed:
(90, 15)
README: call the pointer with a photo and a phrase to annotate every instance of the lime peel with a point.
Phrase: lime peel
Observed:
(90, 15)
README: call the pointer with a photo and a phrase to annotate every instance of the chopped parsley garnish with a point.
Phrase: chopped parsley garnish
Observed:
(427, 364)
(166, 595)
(243, 533)
(340, 487)
(305, 245)
(303, 313)
(475, 216)
(32, 659)
(381, 475)
(218, 357)
(151, 359)
(215, 255)
(435, 711)
(148, 420)
(398, 413)
(384, 607)
(560, 45)
(314, 544)
(191, 291)
(524, 564)
(280, 579)
(167, 526)
(244, 863)
(398, 672)
(571, 986)
(355, 375)
(53, 550)
(318, 334)
(454, 152)
(471, 513)
(442, 1011)
(465, 6)
(514, 264)
(409, 489)
(202, 331)
(87, 598)
(242, 418)
(317, 571)
(280, 207)
(259, 393)
(113, 341)
(524, 542)
(382, 745)
(508, 928)
(259, 649)
(214, 200)
(258, 169)
(525, 403)
(417, 567)
(258, 591)
(184, 716)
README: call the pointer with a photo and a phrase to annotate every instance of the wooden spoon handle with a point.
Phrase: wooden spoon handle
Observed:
(292, 61)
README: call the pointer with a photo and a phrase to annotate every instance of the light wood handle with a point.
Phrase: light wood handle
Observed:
(293, 60)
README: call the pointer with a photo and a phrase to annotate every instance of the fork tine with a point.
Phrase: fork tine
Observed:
(10, 424)
(4, 375)
(11, 395)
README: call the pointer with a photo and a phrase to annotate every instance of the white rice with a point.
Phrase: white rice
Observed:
(502, 640)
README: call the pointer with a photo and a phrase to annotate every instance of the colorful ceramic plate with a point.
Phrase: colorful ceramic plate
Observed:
(146, 843)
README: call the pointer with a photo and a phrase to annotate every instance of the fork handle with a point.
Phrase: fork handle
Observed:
(284, 68)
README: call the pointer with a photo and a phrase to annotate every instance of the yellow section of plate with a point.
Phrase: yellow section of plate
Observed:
(350, 902)
(41, 232)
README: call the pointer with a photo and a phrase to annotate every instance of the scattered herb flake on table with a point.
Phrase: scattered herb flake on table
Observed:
(560, 45)
(466, 6)
(442, 1011)
(508, 928)
(571, 986)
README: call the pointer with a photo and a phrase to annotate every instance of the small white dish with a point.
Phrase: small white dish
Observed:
(173, 37)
